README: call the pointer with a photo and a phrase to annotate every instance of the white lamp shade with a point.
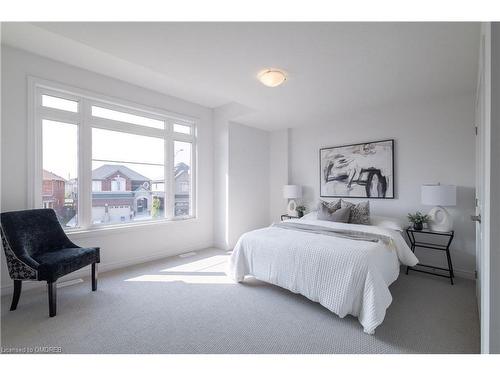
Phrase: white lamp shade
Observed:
(292, 191)
(439, 195)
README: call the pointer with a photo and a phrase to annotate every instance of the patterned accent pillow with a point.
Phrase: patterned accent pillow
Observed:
(360, 213)
(326, 209)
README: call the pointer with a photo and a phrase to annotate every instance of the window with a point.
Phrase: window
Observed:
(182, 172)
(126, 117)
(136, 165)
(183, 129)
(59, 169)
(118, 183)
(96, 185)
(128, 163)
(59, 103)
(184, 187)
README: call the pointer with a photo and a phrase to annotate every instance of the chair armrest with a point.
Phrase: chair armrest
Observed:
(26, 258)
(67, 242)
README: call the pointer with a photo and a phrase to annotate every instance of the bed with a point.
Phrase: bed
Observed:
(347, 268)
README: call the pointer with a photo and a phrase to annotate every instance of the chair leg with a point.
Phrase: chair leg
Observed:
(52, 289)
(94, 277)
(17, 293)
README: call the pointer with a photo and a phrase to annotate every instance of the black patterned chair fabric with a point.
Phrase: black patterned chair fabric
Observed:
(36, 247)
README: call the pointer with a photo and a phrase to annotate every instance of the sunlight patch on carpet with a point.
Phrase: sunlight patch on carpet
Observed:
(185, 278)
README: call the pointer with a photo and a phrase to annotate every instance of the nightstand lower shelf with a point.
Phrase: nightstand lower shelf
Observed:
(435, 246)
(449, 276)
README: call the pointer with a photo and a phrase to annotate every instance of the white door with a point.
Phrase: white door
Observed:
(482, 128)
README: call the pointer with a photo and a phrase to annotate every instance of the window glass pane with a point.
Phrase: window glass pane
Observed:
(128, 182)
(127, 117)
(184, 129)
(59, 103)
(182, 175)
(118, 146)
(60, 167)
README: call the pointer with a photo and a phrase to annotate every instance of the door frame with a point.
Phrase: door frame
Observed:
(483, 184)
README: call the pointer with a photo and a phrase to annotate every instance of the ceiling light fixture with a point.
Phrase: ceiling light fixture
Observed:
(272, 77)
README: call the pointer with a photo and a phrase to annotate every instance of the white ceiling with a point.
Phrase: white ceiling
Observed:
(334, 68)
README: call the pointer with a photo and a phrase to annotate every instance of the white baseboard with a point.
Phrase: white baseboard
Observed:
(84, 272)
(464, 274)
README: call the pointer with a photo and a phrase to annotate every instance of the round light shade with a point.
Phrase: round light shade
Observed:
(439, 195)
(272, 77)
(292, 191)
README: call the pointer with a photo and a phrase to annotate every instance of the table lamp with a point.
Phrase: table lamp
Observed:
(439, 196)
(292, 192)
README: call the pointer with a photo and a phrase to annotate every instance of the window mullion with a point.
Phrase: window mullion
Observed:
(85, 166)
(36, 147)
(193, 184)
(169, 172)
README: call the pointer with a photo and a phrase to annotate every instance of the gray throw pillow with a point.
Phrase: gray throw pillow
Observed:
(360, 213)
(327, 210)
(339, 216)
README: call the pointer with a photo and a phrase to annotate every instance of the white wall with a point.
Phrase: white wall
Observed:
(278, 172)
(119, 247)
(248, 180)
(221, 170)
(241, 176)
(434, 142)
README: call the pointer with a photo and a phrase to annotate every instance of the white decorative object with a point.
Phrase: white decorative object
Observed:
(292, 192)
(439, 196)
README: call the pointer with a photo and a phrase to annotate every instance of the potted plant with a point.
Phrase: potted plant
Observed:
(418, 219)
(300, 210)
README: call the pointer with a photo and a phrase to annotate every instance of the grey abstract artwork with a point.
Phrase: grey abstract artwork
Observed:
(364, 170)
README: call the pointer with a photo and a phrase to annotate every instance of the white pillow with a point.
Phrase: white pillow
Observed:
(386, 222)
(311, 215)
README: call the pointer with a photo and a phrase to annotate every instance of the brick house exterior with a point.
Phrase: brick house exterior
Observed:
(53, 192)
(119, 194)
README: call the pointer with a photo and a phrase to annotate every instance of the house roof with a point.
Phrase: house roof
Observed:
(107, 170)
(51, 176)
(181, 168)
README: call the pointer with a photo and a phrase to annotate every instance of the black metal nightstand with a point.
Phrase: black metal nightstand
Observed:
(445, 246)
(284, 217)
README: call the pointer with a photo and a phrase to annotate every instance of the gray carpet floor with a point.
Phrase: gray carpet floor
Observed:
(187, 305)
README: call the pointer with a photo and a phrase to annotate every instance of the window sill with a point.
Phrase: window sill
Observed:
(121, 228)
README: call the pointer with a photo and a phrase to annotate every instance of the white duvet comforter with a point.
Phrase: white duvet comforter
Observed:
(346, 276)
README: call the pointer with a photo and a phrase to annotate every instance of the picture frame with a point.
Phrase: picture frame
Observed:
(359, 170)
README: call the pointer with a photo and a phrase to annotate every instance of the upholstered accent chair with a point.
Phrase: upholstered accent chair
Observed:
(36, 248)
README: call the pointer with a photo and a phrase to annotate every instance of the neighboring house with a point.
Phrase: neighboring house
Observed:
(182, 189)
(71, 189)
(53, 192)
(120, 194)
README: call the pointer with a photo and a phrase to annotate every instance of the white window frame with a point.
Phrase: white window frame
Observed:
(85, 121)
